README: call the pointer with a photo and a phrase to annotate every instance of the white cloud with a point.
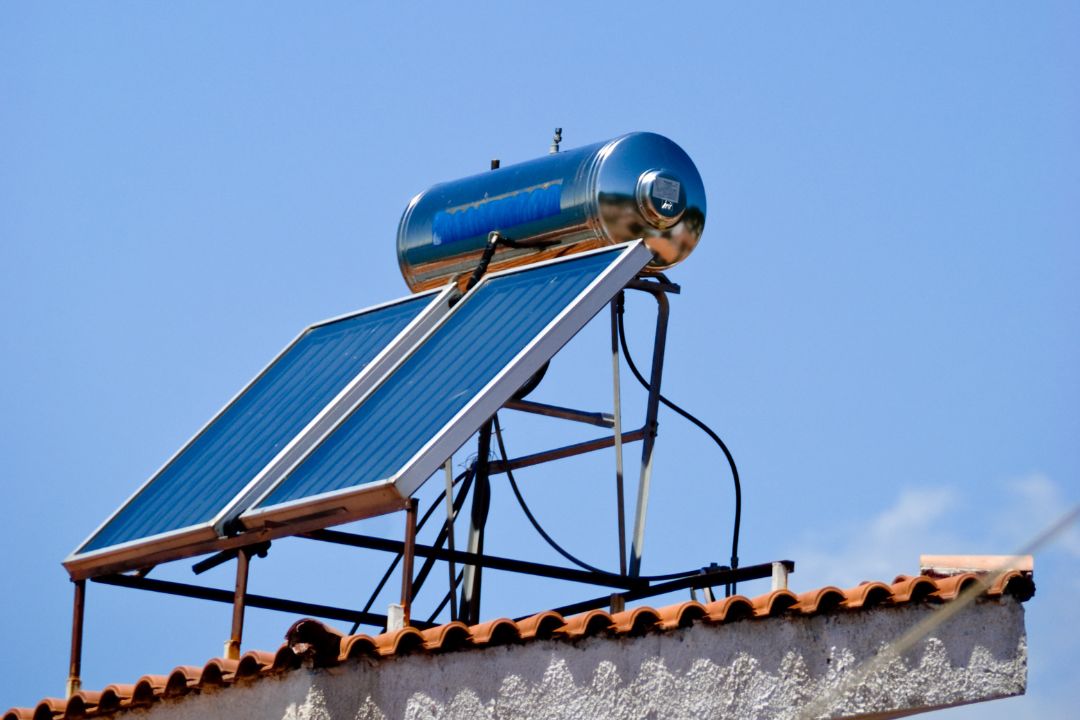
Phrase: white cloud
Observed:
(886, 544)
(1041, 503)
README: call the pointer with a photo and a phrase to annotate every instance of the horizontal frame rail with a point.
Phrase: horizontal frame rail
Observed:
(493, 562)
(260, 601)
(707, 578)
(564, 452)
(599, 419)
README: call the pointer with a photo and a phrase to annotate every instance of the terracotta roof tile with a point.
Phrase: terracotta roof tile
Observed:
(355, 646)
(82, 704)
(588, 623)
(114, 697)
(736, 607)
(451, 636)
(217, 672)
(681, 615)
(541, 625)
(636, 621)
(252, 663)
(322, 645)
(867, 594)
(775, 603)
(399, 642)
(181, 681)
(820, 600)
(501, 631)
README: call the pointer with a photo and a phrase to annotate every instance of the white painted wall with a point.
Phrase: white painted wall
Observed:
(751, 669)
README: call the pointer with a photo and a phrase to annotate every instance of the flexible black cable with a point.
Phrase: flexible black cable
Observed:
(446, 597)
(704, 428)
(397, 558)
(543, 533)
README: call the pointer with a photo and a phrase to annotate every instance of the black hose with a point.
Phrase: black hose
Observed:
(550, 540)
(397, 558)
(704, 428)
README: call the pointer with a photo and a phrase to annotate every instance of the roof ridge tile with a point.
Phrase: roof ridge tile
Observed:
(325, 645)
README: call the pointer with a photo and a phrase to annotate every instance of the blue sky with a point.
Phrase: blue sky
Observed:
(881, 319)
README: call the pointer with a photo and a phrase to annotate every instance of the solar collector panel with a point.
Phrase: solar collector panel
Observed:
(507, 324)
(205, 476)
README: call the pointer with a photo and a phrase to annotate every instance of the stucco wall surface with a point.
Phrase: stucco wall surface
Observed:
(749, 669)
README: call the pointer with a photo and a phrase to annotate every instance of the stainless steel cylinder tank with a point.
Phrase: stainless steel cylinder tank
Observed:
(640, 185)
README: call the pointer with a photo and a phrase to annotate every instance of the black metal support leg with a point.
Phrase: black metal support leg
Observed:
(651, 428)
(469, 608)
(74, 681)
(407, 561)
(232, 646)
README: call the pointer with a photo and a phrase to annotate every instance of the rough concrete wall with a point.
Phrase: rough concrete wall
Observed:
(749, 669)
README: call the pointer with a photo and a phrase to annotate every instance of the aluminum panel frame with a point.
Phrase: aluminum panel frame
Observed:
(208, 536)
(350, 504)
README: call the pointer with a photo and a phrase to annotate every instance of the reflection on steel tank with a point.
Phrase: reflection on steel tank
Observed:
(640, 185)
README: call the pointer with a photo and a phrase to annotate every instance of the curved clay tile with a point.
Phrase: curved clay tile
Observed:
(541, 626)
(950, 587)
(1013, 582)
(19, 714)
(912, 589)
(501, 631)
(311, 638)
(114, 697)
(682, 615)
(637, 621)
(736, 607)
(217, 672)
(252, 664)
(867, 594)
(355, 646)
(49, 707)
(451, 636)
(81, 703)
(586, 624)
(181, 680)
(820, 600)
(774, 603)
(285, 659)
(147, 690)
(399, 642)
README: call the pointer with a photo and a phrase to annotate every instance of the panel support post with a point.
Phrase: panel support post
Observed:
(779, 576)
(451, 514)
(74, 681)
(408, 554)
(649, 442)
(617, 419)
(469, 608)
(232, 646)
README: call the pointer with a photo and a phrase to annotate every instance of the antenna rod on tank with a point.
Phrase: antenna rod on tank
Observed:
(555, 141)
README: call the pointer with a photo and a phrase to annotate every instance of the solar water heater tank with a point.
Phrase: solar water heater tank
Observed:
(640, 185)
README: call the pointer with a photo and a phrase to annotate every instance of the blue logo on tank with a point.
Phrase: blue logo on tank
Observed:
(498, 213)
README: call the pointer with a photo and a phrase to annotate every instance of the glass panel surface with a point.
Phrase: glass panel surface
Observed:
(472, 346)
(214, 467)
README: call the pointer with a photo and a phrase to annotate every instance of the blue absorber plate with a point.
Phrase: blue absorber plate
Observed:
(453, 367)
(196, 484)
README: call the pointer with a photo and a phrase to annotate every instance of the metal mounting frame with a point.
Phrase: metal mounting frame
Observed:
(627, 584)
